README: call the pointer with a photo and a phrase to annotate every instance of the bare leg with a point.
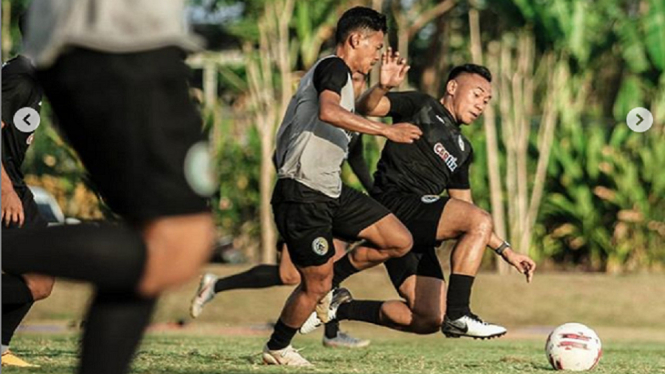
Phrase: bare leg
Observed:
(421, 313)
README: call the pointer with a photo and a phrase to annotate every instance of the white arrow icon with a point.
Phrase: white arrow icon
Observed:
(26, 119)
(639, 119)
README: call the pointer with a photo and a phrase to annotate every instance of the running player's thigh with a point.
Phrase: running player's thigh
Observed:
(457, 218)
(424, 295)
(358, 216)
(388, 232)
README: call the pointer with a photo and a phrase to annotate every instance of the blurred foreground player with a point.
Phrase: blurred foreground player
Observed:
(119, 90)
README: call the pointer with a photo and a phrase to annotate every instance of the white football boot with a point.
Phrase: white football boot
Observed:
(287, 356)
(472, 326)
(204, 294)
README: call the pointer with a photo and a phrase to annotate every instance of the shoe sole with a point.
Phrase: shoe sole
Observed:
(198, 295)
(343, 296)
(344, 346)
(269, 360)
(456, 336)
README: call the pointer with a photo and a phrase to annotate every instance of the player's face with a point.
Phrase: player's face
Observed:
(368, 50)
(471, 96)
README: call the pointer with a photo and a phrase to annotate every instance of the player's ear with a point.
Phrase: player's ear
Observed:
(451, 87)
(354, 39)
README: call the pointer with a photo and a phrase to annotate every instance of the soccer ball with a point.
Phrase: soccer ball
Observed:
(573, 346)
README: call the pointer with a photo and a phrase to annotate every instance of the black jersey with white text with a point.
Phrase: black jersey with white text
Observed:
(438, 160)
(19, 89)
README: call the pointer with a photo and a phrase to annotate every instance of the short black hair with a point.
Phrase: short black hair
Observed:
(471, 69)
(359, 18)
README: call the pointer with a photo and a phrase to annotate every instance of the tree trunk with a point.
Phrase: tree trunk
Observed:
(6, 29)
(489, 123)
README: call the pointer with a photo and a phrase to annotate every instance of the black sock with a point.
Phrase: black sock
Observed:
(12, 315)
(114, 327)
(281, 336)
(332, 328)
(15, 290)
(260, 276)
(112, 257)
(361, 310)
(343, 269)
(459, 294)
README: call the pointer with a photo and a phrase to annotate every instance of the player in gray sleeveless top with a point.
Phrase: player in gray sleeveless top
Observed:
(310, 202)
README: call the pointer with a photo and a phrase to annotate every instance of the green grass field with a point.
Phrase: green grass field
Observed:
(626, 311)
(177, 353)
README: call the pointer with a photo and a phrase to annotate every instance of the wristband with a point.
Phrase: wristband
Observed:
(502, 248)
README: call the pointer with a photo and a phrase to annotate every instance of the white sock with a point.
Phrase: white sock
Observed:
(5, 348)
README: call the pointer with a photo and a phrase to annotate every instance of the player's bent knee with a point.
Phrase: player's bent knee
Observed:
(290, 279)
(484, 223)
(428, 324)
(403, 243)
(41, 288)
(317, 287)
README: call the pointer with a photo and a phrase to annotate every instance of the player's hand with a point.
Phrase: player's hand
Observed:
(12, 208)
(403, 133)
(393, 69)
(523, 263)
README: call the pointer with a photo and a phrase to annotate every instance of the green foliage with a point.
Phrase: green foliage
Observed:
(654, 20)
(238, 166)
(604, 203)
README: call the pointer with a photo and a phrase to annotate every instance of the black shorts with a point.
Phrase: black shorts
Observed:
(132, 122)
(419, 213)
(32, 217)
(419, 261)
(308, 228)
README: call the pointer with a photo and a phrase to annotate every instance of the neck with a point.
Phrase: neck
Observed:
(345, 55)
(448, 104)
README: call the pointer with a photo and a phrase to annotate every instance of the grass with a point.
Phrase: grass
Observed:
(177, 353)
(626, 311)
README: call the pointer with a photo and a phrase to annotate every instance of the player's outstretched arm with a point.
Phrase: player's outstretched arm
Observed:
(330, 111)
(523, 263)
(393, 72)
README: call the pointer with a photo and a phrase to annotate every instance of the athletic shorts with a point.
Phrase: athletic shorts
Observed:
(132, 121)
(419, 261)
(32, 217)
(419, 213)
(308, 228)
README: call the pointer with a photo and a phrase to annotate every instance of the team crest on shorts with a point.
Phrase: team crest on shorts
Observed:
(320, 246)
(428, 199)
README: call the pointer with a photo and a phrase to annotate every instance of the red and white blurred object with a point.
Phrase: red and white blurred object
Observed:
(574, 347)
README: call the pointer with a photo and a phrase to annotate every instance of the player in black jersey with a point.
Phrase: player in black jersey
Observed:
(409, 181)
(19, 90)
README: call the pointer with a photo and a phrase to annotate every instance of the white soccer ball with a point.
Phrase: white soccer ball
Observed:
(573, 346)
